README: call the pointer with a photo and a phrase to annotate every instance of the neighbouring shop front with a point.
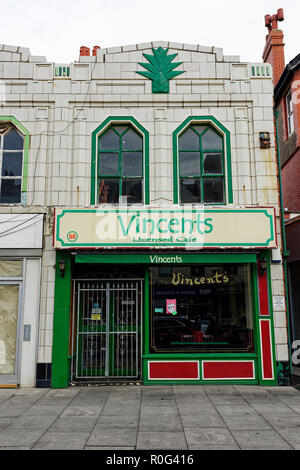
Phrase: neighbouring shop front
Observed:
(164, 296)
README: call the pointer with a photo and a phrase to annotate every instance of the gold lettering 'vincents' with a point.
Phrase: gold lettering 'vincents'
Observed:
(216, 278)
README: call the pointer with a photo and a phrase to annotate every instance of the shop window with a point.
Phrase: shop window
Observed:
(11, 164)
(201, 166)
(203, 308)
(289, 113)
(120, 165)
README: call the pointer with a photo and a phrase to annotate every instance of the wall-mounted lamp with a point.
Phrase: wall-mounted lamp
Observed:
(62, 265)
(265, 140)
(263, 267)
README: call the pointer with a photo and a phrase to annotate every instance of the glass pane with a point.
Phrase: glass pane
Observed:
(10, 268)
(199, 129)
(189, 163)
(10, 191)
(9, 300)
(132, 190)
(132, 164)
(120, 129)
(211, 140)
(12, 164)
(190, 191)
(189, 141)
(201, 308)
(109, 141)
(213, 190)
(109, 164)
(108, 191)
(13, 140)
(212, 163)
(132, 141)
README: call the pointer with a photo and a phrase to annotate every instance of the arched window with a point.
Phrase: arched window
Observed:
(202, 165)
(120, 162)
(11, 163)
(120, 165)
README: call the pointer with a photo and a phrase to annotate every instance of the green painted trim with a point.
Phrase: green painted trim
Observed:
(146, 316)
(226, 134)
(146, 259)
(26, 135)
(200, 381)
(94, 158)
(168, 244)
(62, 304)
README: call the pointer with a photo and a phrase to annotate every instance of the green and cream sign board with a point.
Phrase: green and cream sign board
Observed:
(165, 227)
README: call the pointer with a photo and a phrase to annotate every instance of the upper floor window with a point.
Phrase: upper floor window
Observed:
(11, 164)
(120, 165)
(201, 165)
(289, 113)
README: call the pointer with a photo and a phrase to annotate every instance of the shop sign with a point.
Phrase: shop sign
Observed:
(174, 227)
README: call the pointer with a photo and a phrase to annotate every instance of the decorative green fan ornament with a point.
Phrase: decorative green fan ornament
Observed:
(160, 69)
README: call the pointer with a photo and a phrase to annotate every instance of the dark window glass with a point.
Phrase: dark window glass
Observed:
(13, 141)
(212, 163)
(201, 308)
(108, 191)
(190, 191)
(132, 189)
(189, 163)
(12, 164)
(132, 141)
(109, 141)
(213, 190)
(189, 141)
(109, 164)
(201, 155)
(10, 191)
(132, 164)
(120, 129)
(120, 158)
(211, 140)
(199, 129)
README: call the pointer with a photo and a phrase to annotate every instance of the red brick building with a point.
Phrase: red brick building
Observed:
(287, 110)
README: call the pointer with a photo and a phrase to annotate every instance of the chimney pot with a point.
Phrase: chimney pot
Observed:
(95, 48)
(84, 51)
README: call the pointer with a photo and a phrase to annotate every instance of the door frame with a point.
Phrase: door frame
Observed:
(14, 379)
(74, 328)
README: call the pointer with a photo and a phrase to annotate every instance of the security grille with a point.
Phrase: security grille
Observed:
(106, 325)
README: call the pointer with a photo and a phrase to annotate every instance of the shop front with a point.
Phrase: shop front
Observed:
(164, 296)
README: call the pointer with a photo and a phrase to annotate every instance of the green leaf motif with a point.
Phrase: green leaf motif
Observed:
(160, 69)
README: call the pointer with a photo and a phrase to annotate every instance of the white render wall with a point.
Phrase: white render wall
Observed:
(61, 114)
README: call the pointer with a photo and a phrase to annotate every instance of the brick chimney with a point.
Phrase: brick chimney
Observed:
(274, 48)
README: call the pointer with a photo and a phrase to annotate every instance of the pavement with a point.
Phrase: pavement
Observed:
(136, 417)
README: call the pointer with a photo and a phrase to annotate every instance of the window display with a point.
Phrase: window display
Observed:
(201, 308)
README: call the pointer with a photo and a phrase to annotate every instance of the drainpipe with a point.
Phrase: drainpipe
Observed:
(285, 252)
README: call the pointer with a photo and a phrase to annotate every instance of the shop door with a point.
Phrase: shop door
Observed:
(9, 331)
(107, 327)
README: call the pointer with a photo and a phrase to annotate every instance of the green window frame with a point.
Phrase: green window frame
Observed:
(11, 124)
(199, 126)
(112, 124)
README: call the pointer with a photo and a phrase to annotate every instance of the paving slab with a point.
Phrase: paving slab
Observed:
(260, 440)
(31, 422)
(209, 436)
(161, 440)
(19, 438)
(62, 441)
(112, 437)
(249, 422)
(73, 424)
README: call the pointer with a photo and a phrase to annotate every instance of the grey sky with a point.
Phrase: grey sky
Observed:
(57, 28)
